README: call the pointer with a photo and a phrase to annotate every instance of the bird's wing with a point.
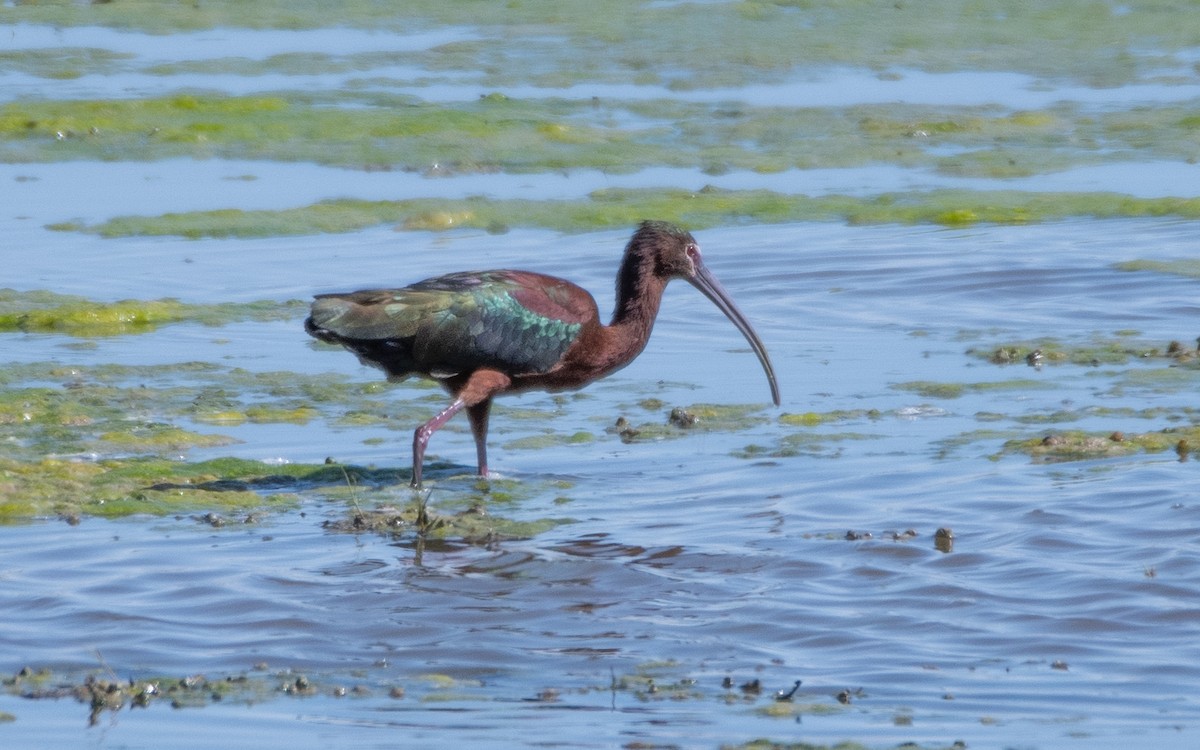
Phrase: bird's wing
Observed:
(514, 321)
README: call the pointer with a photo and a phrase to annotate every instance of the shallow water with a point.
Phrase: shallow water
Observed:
(48, 193)
(682, 554)
(1065, 614)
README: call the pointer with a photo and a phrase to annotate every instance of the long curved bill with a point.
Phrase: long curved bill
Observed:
(711, 288)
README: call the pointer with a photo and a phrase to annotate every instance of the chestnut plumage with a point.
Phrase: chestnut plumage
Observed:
(482, 334)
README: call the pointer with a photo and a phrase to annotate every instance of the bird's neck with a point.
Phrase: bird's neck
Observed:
(638, 299)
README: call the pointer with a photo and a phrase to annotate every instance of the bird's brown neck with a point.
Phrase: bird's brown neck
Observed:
(639, 293)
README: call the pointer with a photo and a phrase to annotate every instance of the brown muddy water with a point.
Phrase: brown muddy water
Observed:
(944, 542)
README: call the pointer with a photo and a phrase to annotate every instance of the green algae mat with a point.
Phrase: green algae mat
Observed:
(515, 69)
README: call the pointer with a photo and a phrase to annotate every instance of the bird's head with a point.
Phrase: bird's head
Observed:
(665, 251)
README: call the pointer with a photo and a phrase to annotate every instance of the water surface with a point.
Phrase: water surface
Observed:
(778, 545)
(684, 553)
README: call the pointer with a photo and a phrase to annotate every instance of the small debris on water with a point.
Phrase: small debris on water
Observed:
(943, 540)
(300, 686)
(681, 417)
(787, 696)
(625, 430)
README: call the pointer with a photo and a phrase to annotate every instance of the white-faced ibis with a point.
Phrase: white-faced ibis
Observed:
(482, 334)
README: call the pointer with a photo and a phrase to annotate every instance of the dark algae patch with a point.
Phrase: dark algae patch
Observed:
(472, 524)
(102, 695)
(679, 421)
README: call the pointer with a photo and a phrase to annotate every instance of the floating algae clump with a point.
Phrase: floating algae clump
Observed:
(682, 420)
(1109, 350)
(47, 312)
(620, 207)
(1079, 445)
(120, 487)
(813, 419)
(937, 389)
(161, 438)
(96, 319)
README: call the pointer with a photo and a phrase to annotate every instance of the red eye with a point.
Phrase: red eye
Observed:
(693, 252)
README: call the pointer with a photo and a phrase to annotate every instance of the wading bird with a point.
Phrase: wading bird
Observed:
(481, 334)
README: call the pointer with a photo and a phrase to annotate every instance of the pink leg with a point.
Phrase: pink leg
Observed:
(425, 431)
(475, 394)
(479, 427)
